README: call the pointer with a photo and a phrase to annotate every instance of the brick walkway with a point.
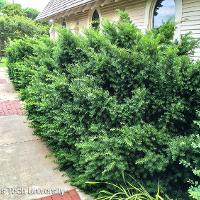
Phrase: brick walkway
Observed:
(23, 156)
(3, 81)
(70, 195)
(13, 107)
(8, 107)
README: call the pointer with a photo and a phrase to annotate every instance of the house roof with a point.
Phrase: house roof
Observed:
(58, 6)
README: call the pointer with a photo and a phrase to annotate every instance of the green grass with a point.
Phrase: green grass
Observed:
(2, 62)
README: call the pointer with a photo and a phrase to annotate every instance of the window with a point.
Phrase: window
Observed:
(63, 23)
(164, 10)
(159, 11)
(95, 20)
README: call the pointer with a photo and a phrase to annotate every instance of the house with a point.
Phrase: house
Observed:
(145, 14)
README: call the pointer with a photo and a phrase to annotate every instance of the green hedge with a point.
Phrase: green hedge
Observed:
(16, 27)
(115, 102)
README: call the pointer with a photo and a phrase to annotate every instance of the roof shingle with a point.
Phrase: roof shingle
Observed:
(57, 6)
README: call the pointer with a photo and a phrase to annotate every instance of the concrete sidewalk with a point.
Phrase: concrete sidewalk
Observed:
(25, 170)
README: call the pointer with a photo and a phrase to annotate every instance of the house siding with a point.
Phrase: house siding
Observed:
(136, 10)
(78, 22)
(191, 20)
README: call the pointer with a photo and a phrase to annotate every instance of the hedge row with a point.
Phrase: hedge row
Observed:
(16, 27)
(115, 102)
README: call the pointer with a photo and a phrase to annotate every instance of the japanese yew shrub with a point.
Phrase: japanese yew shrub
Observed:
(26, 57)
(115, 102)
(16, 27)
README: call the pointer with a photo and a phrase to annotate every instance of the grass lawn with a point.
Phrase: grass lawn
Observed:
(3, 62)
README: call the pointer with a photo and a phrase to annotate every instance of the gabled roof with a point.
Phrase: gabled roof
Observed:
(58, 6)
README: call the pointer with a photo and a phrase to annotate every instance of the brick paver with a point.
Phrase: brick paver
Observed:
(10, 107)
(70, 195)
(3, 81)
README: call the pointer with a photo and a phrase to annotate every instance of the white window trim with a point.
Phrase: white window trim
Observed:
(149, 11)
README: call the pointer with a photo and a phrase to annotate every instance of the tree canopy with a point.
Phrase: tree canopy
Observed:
(12, 9)
(17, 22)
(2, 4)
(31, 13)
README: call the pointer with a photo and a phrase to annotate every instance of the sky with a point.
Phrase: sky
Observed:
(38, 4)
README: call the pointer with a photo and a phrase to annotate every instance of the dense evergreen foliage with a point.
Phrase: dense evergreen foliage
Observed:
(115, 102)
(16, 22)
(18, 27)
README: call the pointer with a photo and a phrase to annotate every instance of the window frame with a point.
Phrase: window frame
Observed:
(149, 16)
